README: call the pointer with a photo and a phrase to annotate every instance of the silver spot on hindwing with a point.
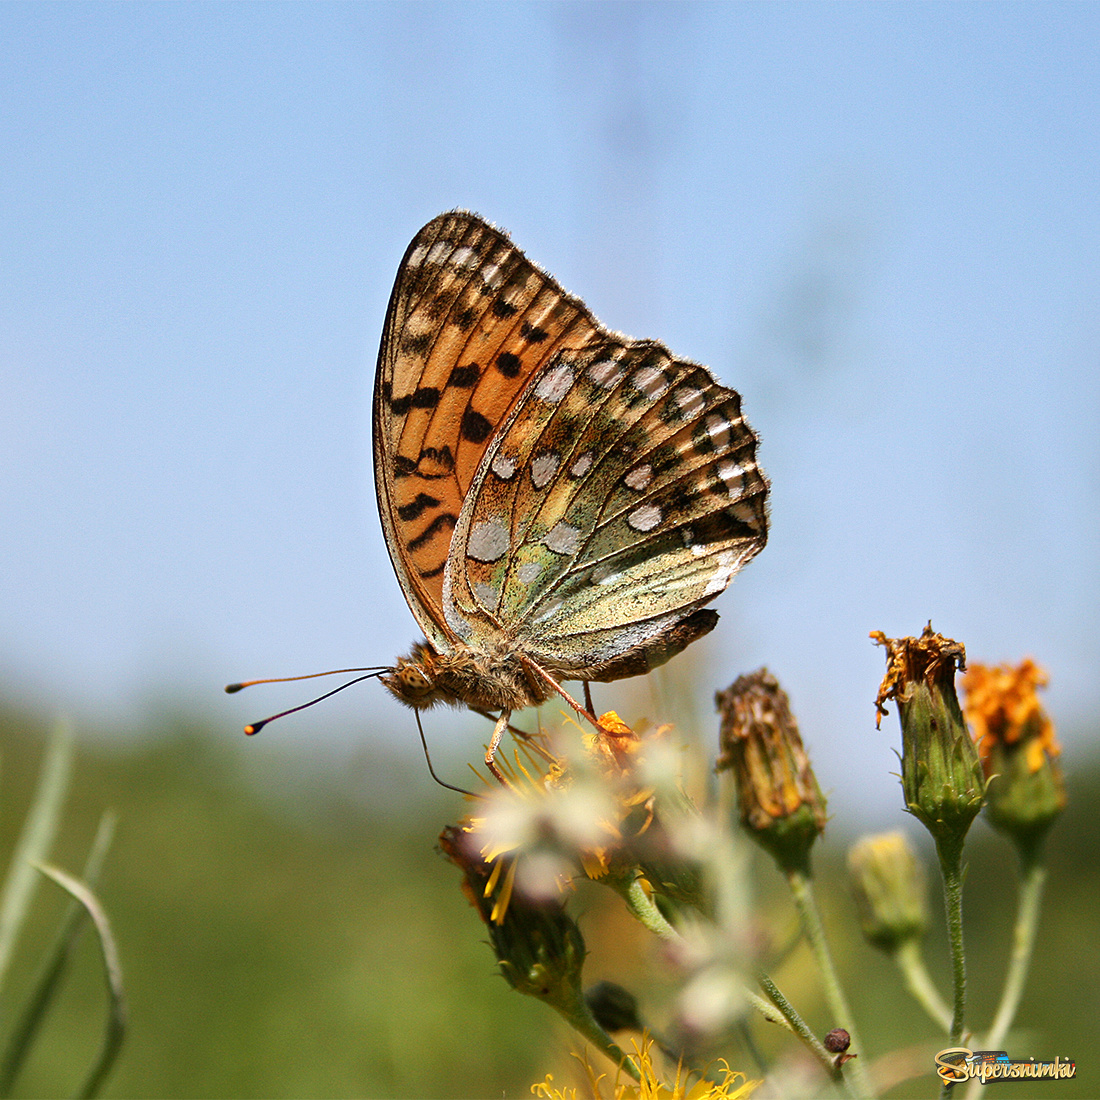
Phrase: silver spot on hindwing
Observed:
(543, 469)
(563, 538)
(732, 476)
(488, 541)
(644, 518)
(650, 381)
(724, 569)
(690, 401)
(606, 373)
(720, 431)
(504, 466)
(555, 383)
(582, 465)
(465, 257)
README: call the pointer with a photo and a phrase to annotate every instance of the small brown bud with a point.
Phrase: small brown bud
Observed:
(782, 807)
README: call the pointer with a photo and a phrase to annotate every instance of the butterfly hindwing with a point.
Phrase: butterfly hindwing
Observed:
(621, 494)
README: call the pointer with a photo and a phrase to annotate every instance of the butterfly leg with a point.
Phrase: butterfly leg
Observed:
(530, 740)
(588, 697)
(494, 744)
(545, 676)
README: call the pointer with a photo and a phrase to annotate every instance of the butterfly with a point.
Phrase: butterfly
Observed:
(559, 501)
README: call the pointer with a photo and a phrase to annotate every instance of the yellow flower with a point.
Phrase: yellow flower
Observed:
(556, 817)
(729, 1086)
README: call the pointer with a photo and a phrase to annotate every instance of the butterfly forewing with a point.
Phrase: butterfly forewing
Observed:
(470, 321)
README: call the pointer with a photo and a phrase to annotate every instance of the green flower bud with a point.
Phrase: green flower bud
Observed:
(539, 947)
(941, 775)
(890, 890)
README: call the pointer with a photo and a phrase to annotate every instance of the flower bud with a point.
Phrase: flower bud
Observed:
(782, 807)
(941, 775)
(889, 886)
(1015, 738)
(539, 947)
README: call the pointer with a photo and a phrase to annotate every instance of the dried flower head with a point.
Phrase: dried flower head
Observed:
(782, 806)
(941, 775)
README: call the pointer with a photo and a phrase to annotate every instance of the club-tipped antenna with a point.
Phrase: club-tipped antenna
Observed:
(255, 727)
(232, 689)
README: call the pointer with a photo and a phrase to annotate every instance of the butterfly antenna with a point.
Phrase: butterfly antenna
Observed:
(232, 689)
(431, 770)
(255, 727)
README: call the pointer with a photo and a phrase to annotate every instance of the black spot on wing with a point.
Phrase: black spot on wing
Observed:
(532, 333)
(475, 427)
(462, 378)
(444, 519)
(416, 344)
(433, 462)
(426, 397)
(720, 527)
(508, 364)
(416, 508)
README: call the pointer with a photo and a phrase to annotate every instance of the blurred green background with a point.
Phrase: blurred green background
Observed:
(286, 935)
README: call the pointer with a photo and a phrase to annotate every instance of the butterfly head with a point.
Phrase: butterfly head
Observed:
(413, 679)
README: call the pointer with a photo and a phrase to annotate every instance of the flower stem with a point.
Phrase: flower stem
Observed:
(645, 908)
(579, 1016)
(1033, 875)
(919, 982)
(950, 853)
(949, 850)
(802, 891)
(802, 1030)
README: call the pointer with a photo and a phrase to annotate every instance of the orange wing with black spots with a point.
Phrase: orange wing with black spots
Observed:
(470, 321)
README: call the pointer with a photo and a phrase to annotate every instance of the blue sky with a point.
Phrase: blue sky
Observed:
(880, 223)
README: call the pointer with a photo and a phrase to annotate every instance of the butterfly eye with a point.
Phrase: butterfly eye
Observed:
(411, 681)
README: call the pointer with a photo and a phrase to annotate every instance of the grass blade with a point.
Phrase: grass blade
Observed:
(35, 840)
(53, 966)
(115, 1029)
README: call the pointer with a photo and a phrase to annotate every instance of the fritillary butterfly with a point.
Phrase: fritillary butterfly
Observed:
(559, 501)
